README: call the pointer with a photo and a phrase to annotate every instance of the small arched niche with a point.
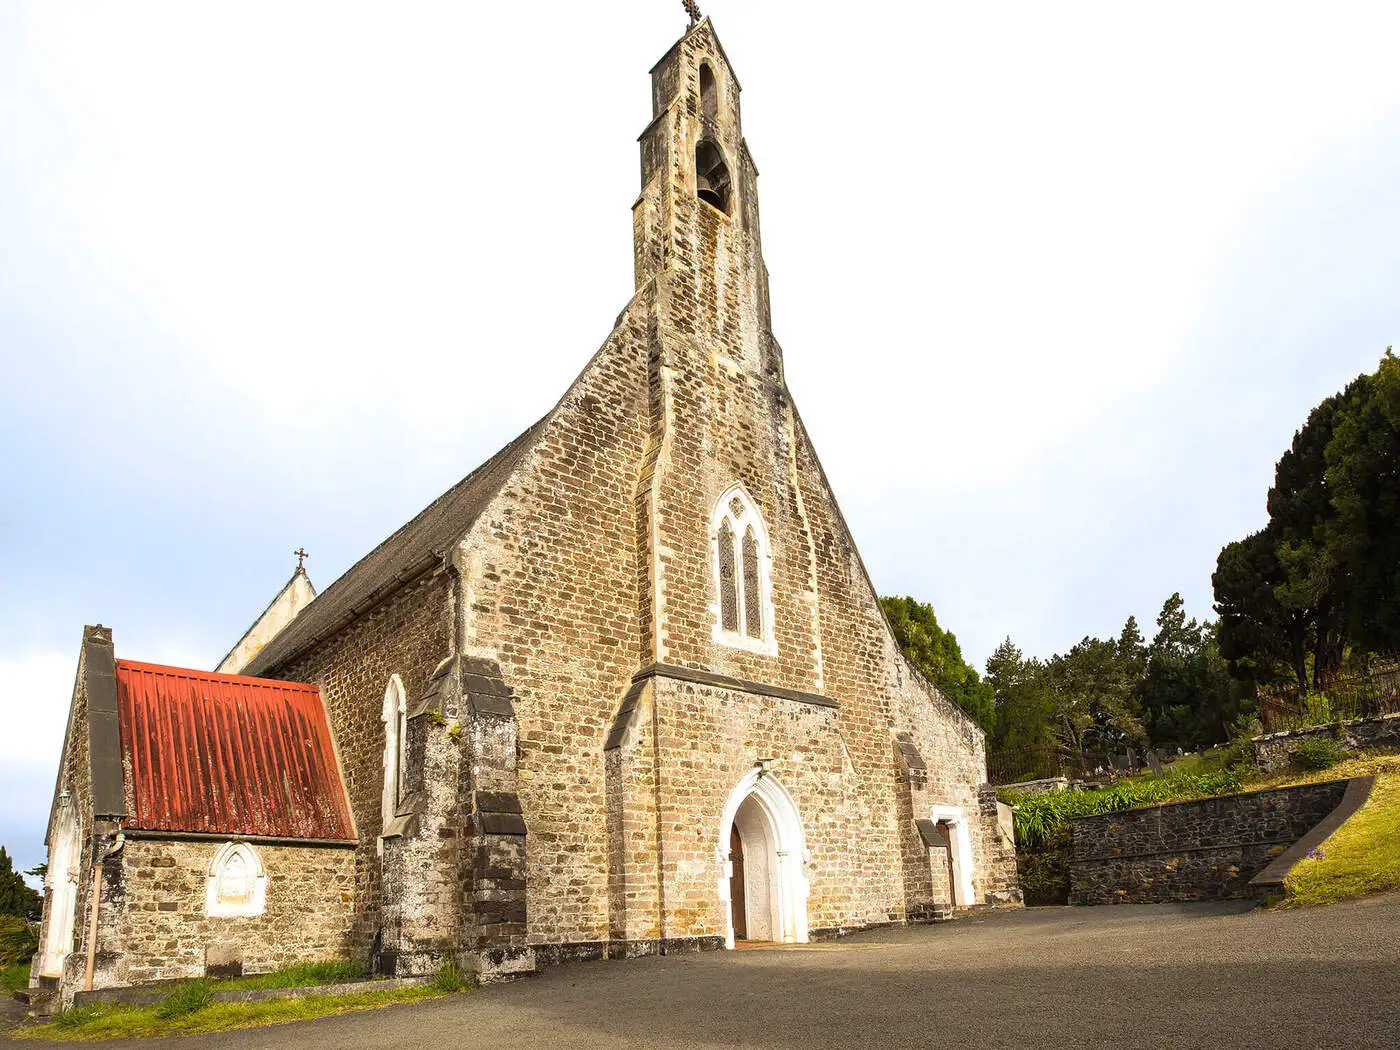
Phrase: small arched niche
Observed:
(712, 183)
(236, 886)
(709, 93)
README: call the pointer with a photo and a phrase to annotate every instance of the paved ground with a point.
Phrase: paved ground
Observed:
(1132, 976)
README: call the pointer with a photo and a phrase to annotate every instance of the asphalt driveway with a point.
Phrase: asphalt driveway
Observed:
(1132, 976)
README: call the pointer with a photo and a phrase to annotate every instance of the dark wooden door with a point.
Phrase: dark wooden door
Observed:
(737, 904)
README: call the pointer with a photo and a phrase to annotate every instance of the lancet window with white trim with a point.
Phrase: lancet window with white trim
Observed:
(743, 574)
(395, 719)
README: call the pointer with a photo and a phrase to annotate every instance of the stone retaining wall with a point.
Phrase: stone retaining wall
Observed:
(1207, 849)
(1275, 751)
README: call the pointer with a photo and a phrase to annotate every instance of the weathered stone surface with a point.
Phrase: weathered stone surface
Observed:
(1203, 850)
(152, 925)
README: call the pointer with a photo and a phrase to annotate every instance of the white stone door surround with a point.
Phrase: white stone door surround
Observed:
(61, 884)
(961, 839)
(785, 863)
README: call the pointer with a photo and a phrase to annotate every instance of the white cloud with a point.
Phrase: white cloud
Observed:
(38, 687)
(330, 255)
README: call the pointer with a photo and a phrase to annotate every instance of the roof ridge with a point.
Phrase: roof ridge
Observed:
(330, 606)
(232, 679)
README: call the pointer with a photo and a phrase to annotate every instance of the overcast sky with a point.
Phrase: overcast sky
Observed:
(1055, 284)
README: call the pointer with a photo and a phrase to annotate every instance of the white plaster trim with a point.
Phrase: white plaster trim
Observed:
(961, 839)
(61, 884)
(395, 710)
(255, 903)
(787, 860)
(767, 643)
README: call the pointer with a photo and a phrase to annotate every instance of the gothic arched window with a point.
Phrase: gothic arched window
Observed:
(743, 574)
(236, 885)
(395, 718)
(709, 93)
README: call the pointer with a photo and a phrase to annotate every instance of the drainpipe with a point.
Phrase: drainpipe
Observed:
(93, 905)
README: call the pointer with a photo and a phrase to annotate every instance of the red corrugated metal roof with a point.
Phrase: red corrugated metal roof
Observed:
(228, 755)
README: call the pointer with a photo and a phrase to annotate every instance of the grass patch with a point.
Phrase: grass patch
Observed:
(307, 975)
(1363, 856)
(185, 999)
(111, 1021)
(15, 977)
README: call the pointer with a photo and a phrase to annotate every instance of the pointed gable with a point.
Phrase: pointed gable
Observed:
(282, 610)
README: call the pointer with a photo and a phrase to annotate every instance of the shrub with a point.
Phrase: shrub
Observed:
(449, 979)
(1043, 872)
(1239, 752)
(19, 940)
(14, 977)
(1318, 752)
(1038, 818)
(185, 999)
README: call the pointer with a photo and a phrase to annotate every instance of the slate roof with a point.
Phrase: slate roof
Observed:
(396, 561)
(228, 755)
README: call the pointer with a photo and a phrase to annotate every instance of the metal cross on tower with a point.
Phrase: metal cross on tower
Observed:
(693, 10)
(301, 554)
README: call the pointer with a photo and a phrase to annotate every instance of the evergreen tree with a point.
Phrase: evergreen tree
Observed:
(1323, 577)
(1024, 704)
(937, 654)
(1186, 694)
(16, 898)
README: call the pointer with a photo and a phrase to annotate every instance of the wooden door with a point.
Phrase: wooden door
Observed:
(737, 905)
(945, 832)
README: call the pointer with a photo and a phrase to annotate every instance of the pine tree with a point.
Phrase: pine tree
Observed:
(16, 898)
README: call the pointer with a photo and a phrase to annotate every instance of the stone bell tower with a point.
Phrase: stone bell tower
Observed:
(695, 225)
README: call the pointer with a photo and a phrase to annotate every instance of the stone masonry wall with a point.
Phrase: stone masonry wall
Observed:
(153, 927)
(1203, 850)
(1275, 751)
(551, 578)
(409, 635)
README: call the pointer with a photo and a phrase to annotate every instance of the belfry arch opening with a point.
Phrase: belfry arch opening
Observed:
(712, 183)
(763, 889)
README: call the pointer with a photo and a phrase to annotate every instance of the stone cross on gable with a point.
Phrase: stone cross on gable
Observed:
(693, 10)
(301, 554)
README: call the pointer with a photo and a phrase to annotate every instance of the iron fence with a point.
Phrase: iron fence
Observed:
(1344, 695)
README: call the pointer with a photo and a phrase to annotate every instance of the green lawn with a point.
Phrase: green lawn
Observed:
(1363, 856)
(308, 975)
(15, 977)
(107, 1021)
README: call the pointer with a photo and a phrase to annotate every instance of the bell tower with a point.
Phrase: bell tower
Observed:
(695, 225)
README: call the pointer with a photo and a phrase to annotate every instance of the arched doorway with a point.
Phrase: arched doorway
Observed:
(763, 891)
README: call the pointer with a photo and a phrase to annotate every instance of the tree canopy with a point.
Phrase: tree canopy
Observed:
(16, 897)
(936, 653)
(1322, 578)
(1107, 694)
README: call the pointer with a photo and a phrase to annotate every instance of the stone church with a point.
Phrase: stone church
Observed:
(624, 689)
